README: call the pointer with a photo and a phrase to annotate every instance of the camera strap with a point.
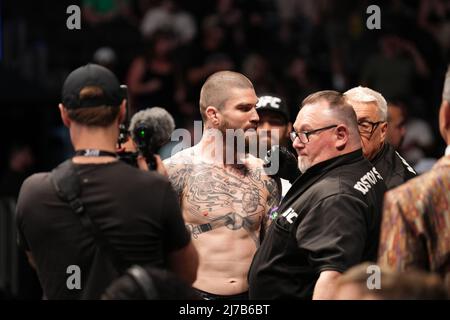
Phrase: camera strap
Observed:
(66, 182)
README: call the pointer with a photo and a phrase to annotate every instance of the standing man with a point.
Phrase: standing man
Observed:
(80, 241)
(330, 218)
(225, 195)
(397, 116)
(371, 112)
(274, 127)
(274, 120)
(415, 231)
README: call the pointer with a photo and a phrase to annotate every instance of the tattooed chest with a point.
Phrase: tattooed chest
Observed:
(213, 193)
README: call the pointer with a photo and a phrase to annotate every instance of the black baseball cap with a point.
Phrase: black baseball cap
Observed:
(96, 76)
(274, 104)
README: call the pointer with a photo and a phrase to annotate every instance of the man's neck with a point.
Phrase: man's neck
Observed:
(378, 153)
(97, 138)
(213, 148)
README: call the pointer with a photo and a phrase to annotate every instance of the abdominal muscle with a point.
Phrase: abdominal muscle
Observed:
(225, 257)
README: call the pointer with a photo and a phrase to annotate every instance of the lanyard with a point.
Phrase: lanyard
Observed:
(94, 153)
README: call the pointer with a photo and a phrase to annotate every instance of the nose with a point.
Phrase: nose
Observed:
(297, 144)
(254, 118)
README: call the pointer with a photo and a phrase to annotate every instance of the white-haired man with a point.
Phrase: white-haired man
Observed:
(371, 112)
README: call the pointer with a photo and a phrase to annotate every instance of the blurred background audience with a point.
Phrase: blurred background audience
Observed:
(164, 50)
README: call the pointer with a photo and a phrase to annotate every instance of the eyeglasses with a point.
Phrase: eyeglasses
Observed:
(368, 127)
(304, 135)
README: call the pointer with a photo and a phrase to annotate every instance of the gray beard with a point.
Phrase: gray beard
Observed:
(303, 165)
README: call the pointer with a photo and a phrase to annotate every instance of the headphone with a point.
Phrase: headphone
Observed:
(144, 282)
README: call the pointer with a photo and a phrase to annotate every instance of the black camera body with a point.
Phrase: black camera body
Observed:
(143, 143)
(142, 137)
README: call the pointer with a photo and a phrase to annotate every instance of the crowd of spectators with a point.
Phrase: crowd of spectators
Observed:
(164, 50)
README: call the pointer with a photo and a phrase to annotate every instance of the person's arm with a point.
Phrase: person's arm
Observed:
(399, 248)
(178, 174)
(31, 259)
(184, 263)
(273, 186)
(419, 62)
(334, 234)
(182, 255)
(325, 287)
(134, 79)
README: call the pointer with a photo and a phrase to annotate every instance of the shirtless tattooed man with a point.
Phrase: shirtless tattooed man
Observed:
(224, 193)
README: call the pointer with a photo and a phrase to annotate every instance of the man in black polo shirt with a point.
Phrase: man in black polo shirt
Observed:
(371, 111)
(330, 218)
(135, 212)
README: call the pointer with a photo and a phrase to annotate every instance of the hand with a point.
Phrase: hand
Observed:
(142, 163)
(128, 146)
(160, 168)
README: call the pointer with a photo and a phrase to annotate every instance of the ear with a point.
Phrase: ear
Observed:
(213, 115)
(64, 116)
(289, 130)
(123, 111)
(342, 135)
(383, 131)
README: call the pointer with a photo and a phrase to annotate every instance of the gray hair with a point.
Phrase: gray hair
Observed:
(446, 91)
(366, 95)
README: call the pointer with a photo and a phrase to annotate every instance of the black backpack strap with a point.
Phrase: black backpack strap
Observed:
(68, 187)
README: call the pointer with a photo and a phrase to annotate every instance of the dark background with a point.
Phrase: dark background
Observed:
(290, 48)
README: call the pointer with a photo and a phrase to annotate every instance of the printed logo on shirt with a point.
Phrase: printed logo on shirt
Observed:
(368, 180)
(290, 214)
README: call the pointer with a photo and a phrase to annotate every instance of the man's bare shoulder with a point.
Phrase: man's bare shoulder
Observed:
(183, 157)
(179, 167)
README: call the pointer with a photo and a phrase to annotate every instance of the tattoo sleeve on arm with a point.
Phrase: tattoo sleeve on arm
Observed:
(178, 175)
(273, 187)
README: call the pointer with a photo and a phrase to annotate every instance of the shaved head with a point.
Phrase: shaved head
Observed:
(215, 90)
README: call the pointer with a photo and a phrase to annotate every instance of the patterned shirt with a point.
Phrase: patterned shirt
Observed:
(415, 230)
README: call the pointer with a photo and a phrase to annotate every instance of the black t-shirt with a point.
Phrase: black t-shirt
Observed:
(329, 220)
(392, 167)
(136, 211)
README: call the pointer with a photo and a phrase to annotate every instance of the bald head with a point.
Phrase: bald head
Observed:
(215, 90)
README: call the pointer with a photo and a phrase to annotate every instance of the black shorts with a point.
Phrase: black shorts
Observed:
(211, 296)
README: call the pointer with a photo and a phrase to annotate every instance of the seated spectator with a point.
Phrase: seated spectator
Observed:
(152, 76)
(168, 16)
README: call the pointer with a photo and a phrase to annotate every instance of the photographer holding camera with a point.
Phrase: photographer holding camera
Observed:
(150, 129)
(87, 221)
